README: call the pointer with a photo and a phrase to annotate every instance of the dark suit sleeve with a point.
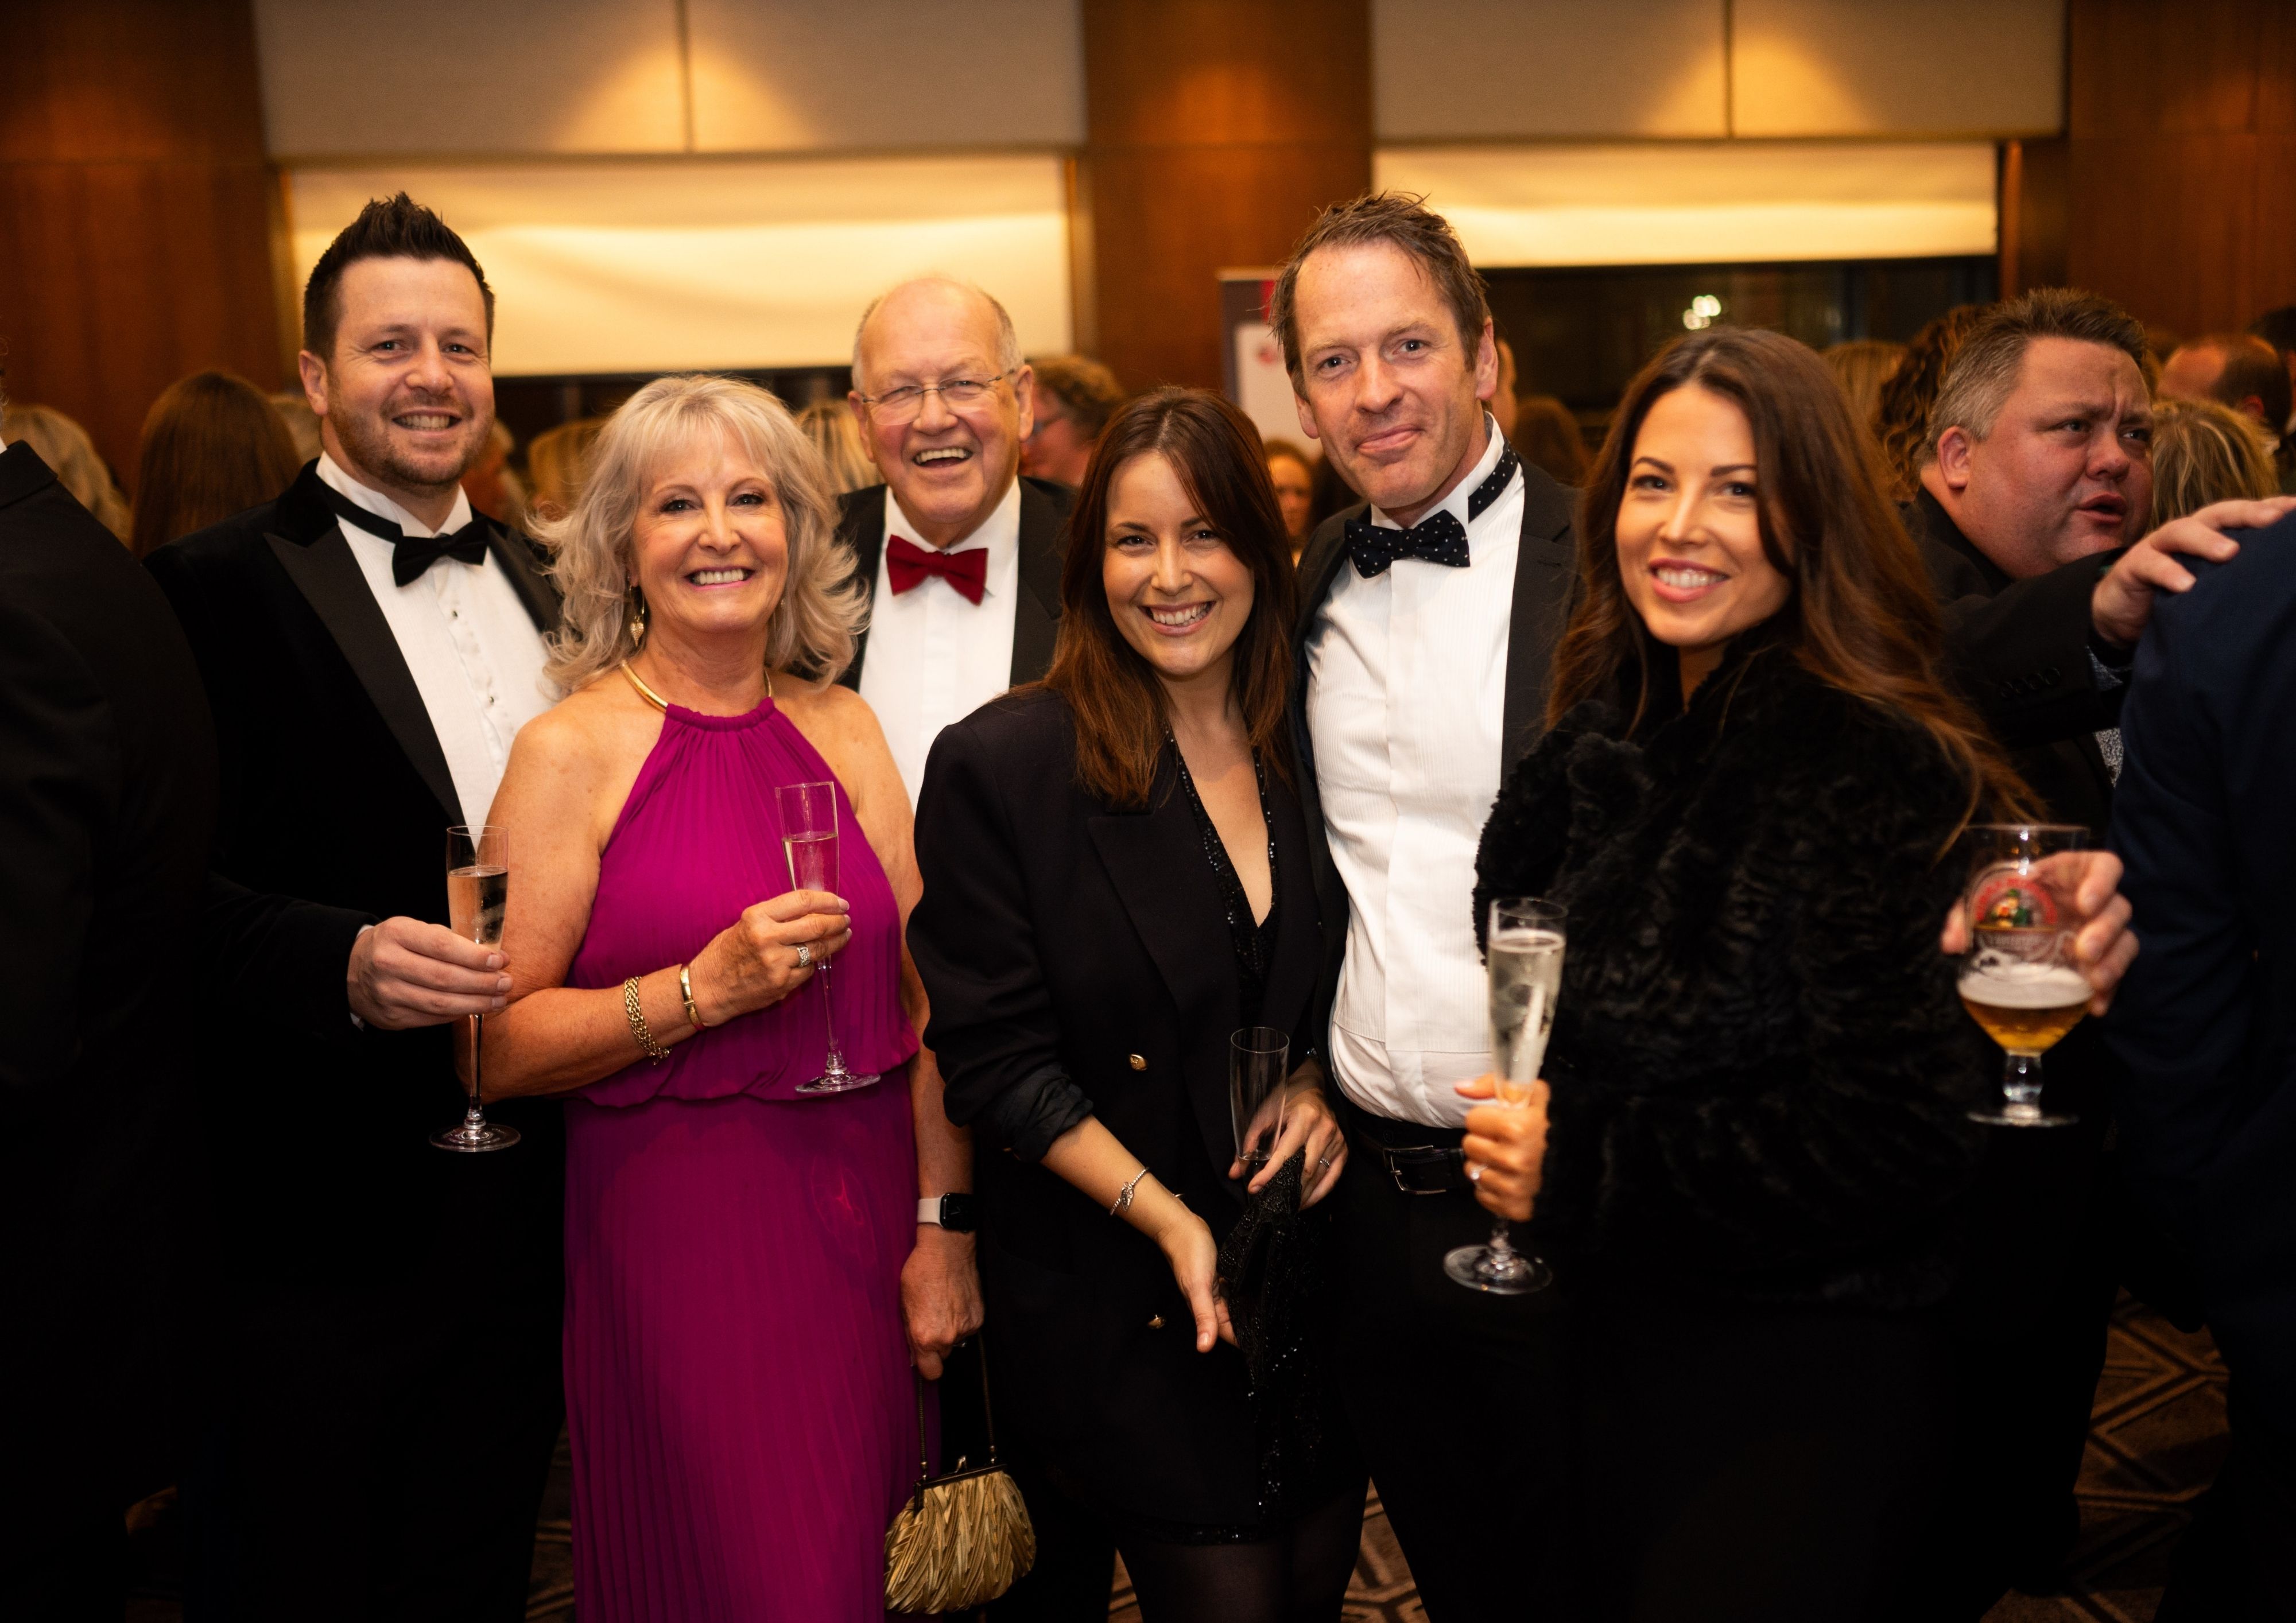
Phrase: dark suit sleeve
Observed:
(2022, 656)
(993, 1030)
(2182, 1018)
(274, 957)
(60, 785)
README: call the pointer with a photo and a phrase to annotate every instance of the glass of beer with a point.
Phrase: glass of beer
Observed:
(2020, 981)
(1523, 951)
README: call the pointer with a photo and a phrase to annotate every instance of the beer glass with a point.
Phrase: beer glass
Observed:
(1523, 955)
(2020, 981)
(478, 893)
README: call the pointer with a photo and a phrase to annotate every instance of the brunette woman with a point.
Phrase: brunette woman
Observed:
(1748, 803)
(1116, 878)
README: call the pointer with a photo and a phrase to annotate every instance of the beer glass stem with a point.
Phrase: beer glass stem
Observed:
(2021, 1084)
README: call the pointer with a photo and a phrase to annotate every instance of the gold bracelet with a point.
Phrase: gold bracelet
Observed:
(685, 990)
(638, 1028)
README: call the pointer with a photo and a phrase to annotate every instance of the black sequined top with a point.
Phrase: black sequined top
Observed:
(1254, 940)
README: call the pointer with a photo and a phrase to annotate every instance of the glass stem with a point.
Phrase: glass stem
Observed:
(2021, 1083)
(1502, 1245)
(836, 1060)
(476, 1115)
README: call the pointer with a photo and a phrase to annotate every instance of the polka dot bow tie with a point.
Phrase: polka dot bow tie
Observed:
(1438, 538)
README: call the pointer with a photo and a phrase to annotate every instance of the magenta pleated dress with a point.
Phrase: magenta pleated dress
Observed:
(737, 1382)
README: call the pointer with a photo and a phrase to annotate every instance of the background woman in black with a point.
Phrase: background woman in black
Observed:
(1748, 803)
(1116, 877)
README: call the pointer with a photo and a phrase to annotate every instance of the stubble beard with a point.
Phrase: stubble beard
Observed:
(368, 442)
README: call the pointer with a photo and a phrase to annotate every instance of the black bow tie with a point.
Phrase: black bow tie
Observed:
(410, 555)
(1438, 538)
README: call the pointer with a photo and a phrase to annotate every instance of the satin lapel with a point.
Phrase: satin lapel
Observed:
(537, 594)
(1545, 576)
(329, 578)
(1036, 612)
(1319, 566)
(1167, 887)
(861, 526)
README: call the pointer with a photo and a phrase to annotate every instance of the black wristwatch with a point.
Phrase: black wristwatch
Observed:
(953, 1212)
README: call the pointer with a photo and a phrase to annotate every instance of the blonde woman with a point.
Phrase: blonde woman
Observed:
(2204, 453)
(739, 1258)
(70, 456)
(835, 433)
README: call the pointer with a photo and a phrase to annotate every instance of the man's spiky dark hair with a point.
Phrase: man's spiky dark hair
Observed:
(393, 228)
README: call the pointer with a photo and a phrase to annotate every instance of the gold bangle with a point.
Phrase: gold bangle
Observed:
(639, 1030)
(685, 990)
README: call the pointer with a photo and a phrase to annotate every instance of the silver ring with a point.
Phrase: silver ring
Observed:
(805, 955)
(1323, 1165)
(1474, 1172)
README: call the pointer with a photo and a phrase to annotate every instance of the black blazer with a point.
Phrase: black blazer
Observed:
(1545, 584)
(1035, 616)
(2018, 650)
(1060, 937)
(334, 787)
(1760, 1065)
(2206, 1018)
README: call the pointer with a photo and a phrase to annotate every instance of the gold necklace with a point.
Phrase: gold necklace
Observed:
(662, 704)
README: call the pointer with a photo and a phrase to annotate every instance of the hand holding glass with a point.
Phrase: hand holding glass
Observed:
(2020, 981)
(1257, 1060)
(1524, 954)
(809, 813)
(478, 893)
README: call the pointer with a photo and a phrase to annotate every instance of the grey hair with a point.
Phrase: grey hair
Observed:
(811, 630)
(1984, 371)
(1008, 341)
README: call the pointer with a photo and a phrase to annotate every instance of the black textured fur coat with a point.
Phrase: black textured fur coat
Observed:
(1759, 1066)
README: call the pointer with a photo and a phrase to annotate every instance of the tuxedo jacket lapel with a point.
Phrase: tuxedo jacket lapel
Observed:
(1546, 578)
(310, 547)
(861, 526)
(1036, 612)
(538, 593)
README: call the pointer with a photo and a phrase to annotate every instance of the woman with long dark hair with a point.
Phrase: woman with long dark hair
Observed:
(1117, 879)
(1747, 1164)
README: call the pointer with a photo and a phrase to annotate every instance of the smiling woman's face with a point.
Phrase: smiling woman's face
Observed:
(1176, 591)
(710, 541)
(1689, 530)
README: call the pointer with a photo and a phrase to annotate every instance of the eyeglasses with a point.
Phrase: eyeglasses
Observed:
(903, 404)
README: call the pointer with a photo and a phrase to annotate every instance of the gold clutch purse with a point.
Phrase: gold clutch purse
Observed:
(961, 1539)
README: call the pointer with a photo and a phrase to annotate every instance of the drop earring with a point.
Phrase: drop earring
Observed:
(636, 616)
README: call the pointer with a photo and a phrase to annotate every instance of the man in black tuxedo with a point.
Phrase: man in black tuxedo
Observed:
(961, 555)
(1428, 622)
(387, 1365)
(2206, 1022)
(2036, 485)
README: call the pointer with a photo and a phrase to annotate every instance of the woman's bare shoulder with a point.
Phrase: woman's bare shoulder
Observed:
(589, 733)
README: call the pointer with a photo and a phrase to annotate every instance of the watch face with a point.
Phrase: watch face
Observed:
(957, 1213)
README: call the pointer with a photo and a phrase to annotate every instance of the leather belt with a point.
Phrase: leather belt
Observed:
(1421, 1160)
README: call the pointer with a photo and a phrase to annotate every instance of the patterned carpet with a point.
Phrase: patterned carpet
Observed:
(2158, 1437)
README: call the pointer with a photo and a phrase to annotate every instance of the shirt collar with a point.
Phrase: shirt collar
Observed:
(1456, 504)
(999, 533)
(383, 507)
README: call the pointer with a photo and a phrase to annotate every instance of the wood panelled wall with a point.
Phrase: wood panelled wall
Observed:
(136, 207)
(1216, 129)
(2174, 189)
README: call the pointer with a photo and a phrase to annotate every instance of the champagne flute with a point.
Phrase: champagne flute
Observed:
(2019, 981)
(809, 841)
(478, 891)
(1523, 952)
(1257, 1060)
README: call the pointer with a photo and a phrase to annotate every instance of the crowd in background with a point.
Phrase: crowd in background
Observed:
(1142, 731)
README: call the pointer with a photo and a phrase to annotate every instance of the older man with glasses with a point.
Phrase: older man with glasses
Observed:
(960, 554)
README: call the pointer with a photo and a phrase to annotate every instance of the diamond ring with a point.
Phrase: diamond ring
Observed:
(805, 955)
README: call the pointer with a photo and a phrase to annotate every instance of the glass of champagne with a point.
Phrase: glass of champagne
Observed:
(478, 891)
(809, 814)
(1257, 1060)
(2020, 981)
(1523, 952)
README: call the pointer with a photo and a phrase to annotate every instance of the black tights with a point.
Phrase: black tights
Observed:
(1299, 1577)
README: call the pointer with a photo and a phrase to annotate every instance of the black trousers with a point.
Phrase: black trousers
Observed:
(1456, 1400)
(377, 1457)
(78, 1577)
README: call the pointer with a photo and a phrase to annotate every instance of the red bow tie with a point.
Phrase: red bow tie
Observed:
(906, 565)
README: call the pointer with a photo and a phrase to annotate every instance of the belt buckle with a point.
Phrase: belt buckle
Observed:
(1430, 1163)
